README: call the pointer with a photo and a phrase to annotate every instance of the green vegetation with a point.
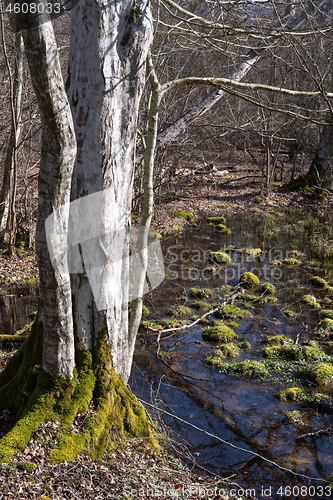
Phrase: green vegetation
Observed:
(245, 369)
(220, 257)
(189, 216)
(252, 252)
(249, 279)
(229, 311)
(223, 229)
(245, 345)
(291, 261)
(228, 350)
(216, 220)
(202, 293)
(202, 305)
(295, 352)
(326, 313)
(294, 417)
(221, 333)
(180, 311)
(290, 394)
(319, 374)
(318, 282)
(267, 288)
(289, 313)
(278, 340)
(326, 324)
(311, 301)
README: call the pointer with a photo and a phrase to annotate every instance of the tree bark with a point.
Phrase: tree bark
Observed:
(320, 174)
(110, 51)
(54, 184)
(8, 189)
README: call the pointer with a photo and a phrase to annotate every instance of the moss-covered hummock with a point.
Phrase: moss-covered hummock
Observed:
(295, 352)
(290, 394)
(220, 257)
(216, 220)
(249, 279)
(180, 311)
(311, 301)
(319, 374)
(291, 261)
(228, 350)
(223, 229)
(202, 293)
(246, 369)
(318, 282)
(326, 324)
(221, 333)
(229, 311)
(189, 216)
(202, 305)
(278, 340)
(267, 288)
(326, 313)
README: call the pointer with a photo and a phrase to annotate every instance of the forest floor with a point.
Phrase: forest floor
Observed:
(135, 470)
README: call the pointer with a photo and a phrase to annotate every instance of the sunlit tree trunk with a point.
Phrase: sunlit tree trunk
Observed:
(106, 71)
(8, 189)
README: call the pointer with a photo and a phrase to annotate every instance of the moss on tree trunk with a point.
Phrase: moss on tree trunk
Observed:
(111, 412)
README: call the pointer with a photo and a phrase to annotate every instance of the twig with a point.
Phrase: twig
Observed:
(230, 444)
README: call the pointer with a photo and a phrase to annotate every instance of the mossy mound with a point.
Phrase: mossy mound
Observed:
(117, 414)
(289, 394)
(289, 313)
(223, 229)
(189, 216)
(251, 252)
(278, 340)
(320, 374)
(326, 324)
(202, 305)
(216, 220)
(326, 313)
(228, 350)
(249, 280)
(202, 293)
(26, 466)
(245, 345)
(290, 261)
(180, 311)
(245, 369)
(221, 333)
(311, 301)
(172, 322)
(220, 257)
(229, 311)
(329, 289)
(294, 352)
(267, 288)
(318, 282)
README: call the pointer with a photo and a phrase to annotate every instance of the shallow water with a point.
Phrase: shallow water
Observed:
(244, 412)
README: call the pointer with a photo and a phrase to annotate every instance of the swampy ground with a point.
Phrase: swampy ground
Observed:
(234, 385)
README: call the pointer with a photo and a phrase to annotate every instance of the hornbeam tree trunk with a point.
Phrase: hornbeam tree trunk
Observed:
(53, 376)
(8, 189)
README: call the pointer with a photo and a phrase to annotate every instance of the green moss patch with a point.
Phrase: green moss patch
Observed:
(229, 311)
(221, 333)
(180, 311)
(294, 417)
(249, 279)
(326, 324)
(189, 216)
(278, 340)
(291, 262)
(228, 350)
(311, 301)
(320, 374)
(290, 394)
(202, 305)
(326, 313)
(318, 282)
(267, 288)
(245, 369)
(223, 229)
(220, 257)
(202, 293)
(295, 352)
(216, 220)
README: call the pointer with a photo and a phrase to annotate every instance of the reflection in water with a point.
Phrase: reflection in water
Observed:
(15, 308)
(243, 412)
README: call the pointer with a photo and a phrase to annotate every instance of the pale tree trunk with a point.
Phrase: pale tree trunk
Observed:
(54, 184)
(106, 70)
(8, 189)
(147, 209)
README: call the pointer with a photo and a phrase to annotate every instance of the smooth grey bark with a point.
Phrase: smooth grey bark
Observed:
(54, 184)
(147, 208)
(8, 189)
(107, 70)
